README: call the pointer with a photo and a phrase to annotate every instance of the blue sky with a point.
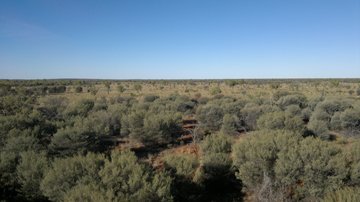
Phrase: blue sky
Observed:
(179, 39)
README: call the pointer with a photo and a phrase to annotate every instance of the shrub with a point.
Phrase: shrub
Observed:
(67, 173)
(299, 100)
(181, 165)
(280, 93)
(280, 120)
(250, 116)
(306, 113)
(314, 101)
(210, 116)
(319, 128)
(161, 127)
(320, 114)
(342, 195)
(350, 119)
(78, 89)
(215, 90)
(230, 124)
(293, 109)
(150, 98)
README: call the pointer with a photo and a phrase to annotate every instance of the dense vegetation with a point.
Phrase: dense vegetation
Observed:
(268, 140)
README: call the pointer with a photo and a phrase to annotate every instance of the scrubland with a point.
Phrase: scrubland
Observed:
(180, 140)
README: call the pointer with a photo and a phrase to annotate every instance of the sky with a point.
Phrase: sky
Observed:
(179, 39)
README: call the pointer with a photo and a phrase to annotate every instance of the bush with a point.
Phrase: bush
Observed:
(150, 98)
(30, 172)
(65, 174)
(345, 194)
(280, 120)
(129, 180)
(350, 119)
(299, 100)
(250, 116)
(321, 115)
(210, 116)
(306, 113)
(78, 89)
(319, 128)
(230, 124)
(161, 127)
(293, 109)
(183, 166)
(284, 159)
(215, 90)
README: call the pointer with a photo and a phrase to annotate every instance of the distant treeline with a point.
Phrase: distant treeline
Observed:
(67, 82)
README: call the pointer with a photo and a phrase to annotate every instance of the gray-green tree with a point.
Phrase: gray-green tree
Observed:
(138, 87)
(107, 84)
(121, 88)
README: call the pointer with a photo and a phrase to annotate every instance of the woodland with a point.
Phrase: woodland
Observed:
(180, 140)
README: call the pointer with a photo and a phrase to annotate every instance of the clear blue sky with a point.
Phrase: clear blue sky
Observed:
(179, 39)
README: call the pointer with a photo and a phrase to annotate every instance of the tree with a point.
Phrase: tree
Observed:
(161, 88)
(335, 83)
(319, 128)
(230, 124)
(78, 89)
(132, 181)
(107, 84)
(275, 85)
(215, 90)
(231, 83)
(210, 116)
(138, 87)
(30, 172)
(66, 174)
(93, 91)
(121, 88)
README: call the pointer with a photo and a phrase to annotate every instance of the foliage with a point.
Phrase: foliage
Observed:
(107, 84)
(210, 116)
(274, 85)
(30, 173)
(67, 173)
(299, 100)
(138, 87)
(230, 124)
(280, 120)
(319, 128)
(286, 159)
(346, 194)
(121, 88)
(182, 165)
(215, 91)
(78, 89)
(131, 181)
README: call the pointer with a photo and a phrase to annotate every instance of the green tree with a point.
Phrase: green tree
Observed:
(215, 91)
(67, 173)
(275, 85)
(30, 172)
(78, 89)
(230, 124)
(132, 181)
(93, 91)
(210, 116)
(138, 87)
(107, 84)
(121, 88)
(231, 83)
